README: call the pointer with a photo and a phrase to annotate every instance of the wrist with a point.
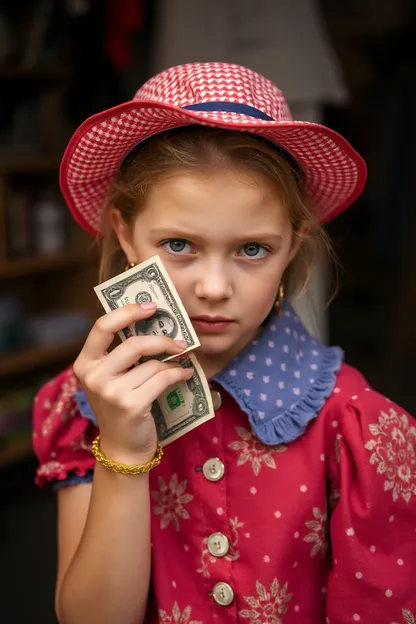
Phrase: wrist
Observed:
(127, 457)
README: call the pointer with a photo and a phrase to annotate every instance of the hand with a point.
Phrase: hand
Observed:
(120, 396)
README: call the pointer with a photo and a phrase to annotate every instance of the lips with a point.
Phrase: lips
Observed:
(211, 319)
(210, 324)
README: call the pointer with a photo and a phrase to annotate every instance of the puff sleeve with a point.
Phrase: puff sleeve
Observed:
(372, 471)
(62, 436)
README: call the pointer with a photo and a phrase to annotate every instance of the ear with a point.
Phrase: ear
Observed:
(123, 233)
(298, 240)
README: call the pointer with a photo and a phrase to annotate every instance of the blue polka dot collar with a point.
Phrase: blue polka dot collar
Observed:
(282, 380)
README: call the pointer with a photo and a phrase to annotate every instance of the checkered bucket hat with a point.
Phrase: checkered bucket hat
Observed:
(219, 95)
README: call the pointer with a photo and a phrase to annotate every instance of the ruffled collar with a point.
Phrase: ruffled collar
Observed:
(281, 381)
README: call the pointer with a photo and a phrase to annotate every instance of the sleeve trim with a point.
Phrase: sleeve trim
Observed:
(55, 471)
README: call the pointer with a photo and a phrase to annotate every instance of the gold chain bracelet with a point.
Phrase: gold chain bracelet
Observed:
(125, 468)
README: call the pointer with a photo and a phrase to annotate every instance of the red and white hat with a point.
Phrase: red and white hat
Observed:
(211, 94)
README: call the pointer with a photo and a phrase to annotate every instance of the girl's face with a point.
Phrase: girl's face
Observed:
(225, 241)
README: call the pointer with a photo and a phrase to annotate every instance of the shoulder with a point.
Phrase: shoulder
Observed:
(61, 434)
(350, 382)
(354, 410)
(352, 393)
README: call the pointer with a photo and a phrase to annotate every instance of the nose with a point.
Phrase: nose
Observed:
(213, 282)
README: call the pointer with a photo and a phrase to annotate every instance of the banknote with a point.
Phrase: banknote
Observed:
(149, 281)
(185, 405)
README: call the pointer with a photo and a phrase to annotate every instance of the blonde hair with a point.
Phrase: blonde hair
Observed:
(201, 149)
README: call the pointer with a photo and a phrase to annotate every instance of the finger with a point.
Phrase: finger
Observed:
(104, 329)
(131, 350)
(139, 375)
(152, 389)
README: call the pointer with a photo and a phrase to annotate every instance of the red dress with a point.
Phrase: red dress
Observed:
(322, 529)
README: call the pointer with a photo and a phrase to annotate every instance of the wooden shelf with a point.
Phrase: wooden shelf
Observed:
(15, 452)
(36, 357)
(41, 264)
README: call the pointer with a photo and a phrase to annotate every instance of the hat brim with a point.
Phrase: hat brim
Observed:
(335, 173)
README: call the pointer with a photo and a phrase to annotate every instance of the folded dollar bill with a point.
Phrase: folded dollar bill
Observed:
(188, 404)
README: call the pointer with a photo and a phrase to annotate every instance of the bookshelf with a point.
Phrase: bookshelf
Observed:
(48, 266)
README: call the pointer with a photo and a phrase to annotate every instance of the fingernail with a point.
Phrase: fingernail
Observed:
(180, 343)
(148, 305)
(190, 372)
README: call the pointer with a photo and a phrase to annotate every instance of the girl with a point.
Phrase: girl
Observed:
(297, 502)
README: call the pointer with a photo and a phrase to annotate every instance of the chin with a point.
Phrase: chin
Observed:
(220, 344)
(215, 345)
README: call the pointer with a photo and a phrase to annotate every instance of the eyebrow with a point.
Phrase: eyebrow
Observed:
(179, 233)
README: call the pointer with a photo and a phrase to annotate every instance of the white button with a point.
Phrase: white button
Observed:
(218, 544)
(223, 594)
(213, 469)
(216, 399)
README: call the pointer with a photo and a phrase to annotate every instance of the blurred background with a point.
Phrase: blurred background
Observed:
(349, 64)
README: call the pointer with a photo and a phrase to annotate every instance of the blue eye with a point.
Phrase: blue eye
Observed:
(254, 250)
(177, 246)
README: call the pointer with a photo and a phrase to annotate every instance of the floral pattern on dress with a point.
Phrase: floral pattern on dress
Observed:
(84, 444)
(205, 557)
(232, 555)
(52, 467)
(178, 616)
(47, 425)
(64, 407)
(252, 450)
(318, 534)
(394, 453)
(171, 501)
(267, 606)
(408, 617)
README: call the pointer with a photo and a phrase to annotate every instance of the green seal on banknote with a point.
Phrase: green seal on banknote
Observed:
(175, 399)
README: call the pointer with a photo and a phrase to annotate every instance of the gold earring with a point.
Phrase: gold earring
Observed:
(129, 265)
(280, 297)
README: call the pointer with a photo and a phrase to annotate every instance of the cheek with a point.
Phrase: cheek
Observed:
(180, 278)
(260, 294)
(261, 286)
